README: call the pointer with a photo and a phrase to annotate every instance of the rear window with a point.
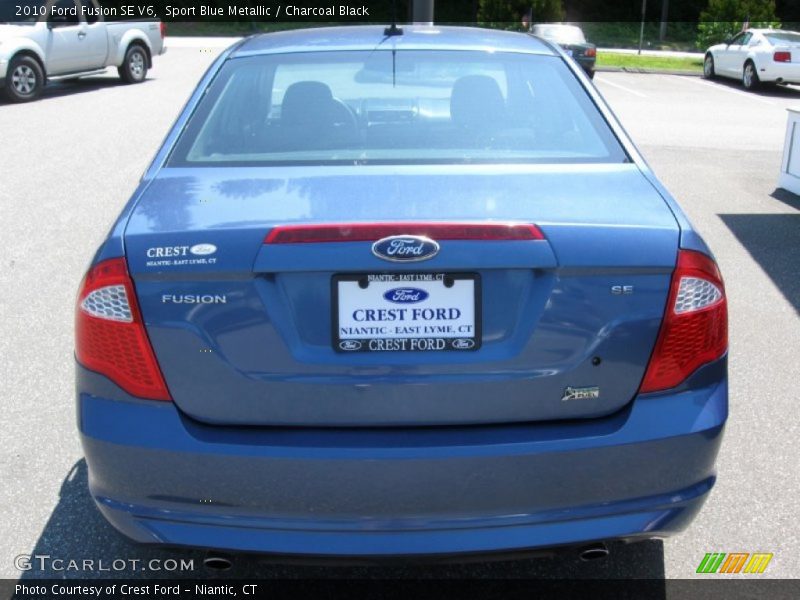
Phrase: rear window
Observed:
(784, 37)
(395, 107)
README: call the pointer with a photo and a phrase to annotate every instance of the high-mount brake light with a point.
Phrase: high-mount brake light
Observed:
(110, 337)
(694, 331)
(370, 232)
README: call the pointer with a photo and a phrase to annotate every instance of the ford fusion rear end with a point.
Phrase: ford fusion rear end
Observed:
(422, 299)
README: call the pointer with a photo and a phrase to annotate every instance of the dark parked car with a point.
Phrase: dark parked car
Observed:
(572, 40)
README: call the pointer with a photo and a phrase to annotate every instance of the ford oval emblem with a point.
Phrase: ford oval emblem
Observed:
(405, 248)
(350, 345)
(203, 249)
(406, 295)
(463, 344)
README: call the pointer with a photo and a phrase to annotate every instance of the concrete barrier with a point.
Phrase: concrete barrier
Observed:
(790, 166)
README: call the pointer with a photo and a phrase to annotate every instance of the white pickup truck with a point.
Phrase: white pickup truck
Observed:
(46, 40)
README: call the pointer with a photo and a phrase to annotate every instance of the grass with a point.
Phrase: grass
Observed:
(679, 35)
(611, 59)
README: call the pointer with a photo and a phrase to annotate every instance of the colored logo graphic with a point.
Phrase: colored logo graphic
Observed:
(737, 562)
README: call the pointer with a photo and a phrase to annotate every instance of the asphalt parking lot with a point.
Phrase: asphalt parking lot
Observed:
(70, 161)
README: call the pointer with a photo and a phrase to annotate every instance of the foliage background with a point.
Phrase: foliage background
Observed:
(692, 24)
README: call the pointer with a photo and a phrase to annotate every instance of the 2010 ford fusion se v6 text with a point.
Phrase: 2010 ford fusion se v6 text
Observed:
(453, 311)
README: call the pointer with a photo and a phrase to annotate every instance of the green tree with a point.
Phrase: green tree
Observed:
(507, 14)
(725, 17)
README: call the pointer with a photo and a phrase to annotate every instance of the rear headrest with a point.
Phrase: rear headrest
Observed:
(476, 101)
(307, 102)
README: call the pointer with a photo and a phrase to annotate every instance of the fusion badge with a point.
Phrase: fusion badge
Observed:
(580, 393)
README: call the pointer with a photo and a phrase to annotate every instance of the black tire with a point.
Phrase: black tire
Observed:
(750, 79)
(708, 67)
(134, 67)
(24, 79)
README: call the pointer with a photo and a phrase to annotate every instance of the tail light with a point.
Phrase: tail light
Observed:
(163, 29)
(694, 331)
(109, 332)
(369, 232)
(591, 52)
(782, 57)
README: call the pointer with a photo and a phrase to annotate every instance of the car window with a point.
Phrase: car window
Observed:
(737, 41)
(783, 37)
(402, 107)
(89, 11)
(64, 12)
(22, 11)
(746, 39)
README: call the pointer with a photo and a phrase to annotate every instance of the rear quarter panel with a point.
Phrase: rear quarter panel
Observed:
(122, 35)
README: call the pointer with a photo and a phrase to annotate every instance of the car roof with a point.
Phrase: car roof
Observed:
(570, 25)
(754, 30)
(369, 37)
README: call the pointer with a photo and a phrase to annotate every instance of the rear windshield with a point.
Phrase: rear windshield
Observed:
(395, 107)
(783, 37)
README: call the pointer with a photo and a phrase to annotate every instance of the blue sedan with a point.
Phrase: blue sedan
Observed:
(391, 295)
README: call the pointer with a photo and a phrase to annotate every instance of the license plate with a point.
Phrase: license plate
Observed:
(406, 312)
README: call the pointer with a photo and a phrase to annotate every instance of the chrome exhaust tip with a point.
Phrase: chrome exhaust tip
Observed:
(217, 562)
(593, 552)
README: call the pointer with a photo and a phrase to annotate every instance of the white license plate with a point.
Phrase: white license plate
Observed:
(406, 312)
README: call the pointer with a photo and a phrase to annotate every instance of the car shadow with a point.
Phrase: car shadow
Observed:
(76, 531)
(772, 240)
(766, 90)
(57, 89)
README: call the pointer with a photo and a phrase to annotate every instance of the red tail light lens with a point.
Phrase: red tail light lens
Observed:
(110, 337)
(694, 331)
(591, 52)
(782, 57)
(369, 232)
(163, 30)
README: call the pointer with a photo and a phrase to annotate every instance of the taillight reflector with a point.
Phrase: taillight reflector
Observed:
(163, 30)
(369, 232)
(110, 337)
(782, 56)
(694, 331)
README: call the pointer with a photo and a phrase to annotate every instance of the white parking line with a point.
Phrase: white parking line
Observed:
(618, 86)
(723, 88)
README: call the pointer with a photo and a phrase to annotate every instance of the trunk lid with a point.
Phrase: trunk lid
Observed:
(243, 330)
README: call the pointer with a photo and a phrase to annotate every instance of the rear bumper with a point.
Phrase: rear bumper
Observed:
(586, 63)
(785, 72)
(159, 477)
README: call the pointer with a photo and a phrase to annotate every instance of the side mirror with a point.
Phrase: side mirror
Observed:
(728, 40)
